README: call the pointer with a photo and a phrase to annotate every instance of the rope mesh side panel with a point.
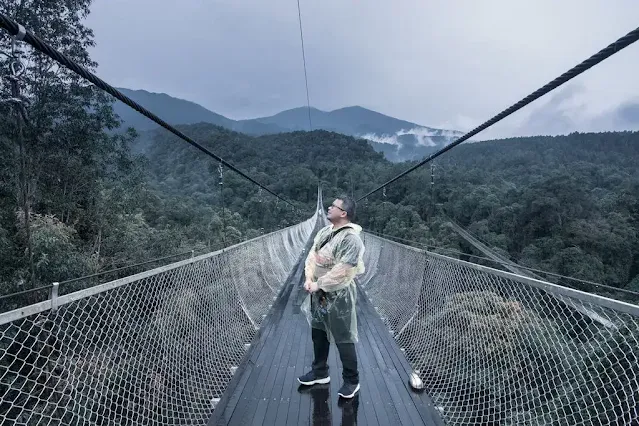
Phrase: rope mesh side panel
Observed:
(156, 351)
(498, 350)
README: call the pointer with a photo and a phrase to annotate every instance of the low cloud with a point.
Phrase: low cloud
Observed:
(423, 136)
(387, 139)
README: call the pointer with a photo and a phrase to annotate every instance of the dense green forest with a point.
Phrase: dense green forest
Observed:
(568, 204)
(79, 195)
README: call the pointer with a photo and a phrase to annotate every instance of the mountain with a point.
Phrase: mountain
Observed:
(179, 111)
(398, 140)
(168, 108)
(353, 120)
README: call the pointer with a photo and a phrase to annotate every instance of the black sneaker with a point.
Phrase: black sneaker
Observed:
(311, 379)
(348, 390)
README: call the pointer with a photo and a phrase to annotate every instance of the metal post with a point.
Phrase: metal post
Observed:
(54, 296)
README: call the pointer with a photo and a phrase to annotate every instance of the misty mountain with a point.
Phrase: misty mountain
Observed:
(179, 111)
(398, 140)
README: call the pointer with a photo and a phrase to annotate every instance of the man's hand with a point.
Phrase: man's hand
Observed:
(311, 286)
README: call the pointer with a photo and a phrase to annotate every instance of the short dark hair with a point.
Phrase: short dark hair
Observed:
(349, 205)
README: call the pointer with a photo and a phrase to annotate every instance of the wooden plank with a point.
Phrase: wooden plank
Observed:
(335, 370)
(404, 406)
(380, 329)
(262, 360)
(263, 386)
(228, 402)
(422, 402)
(304, 417)
(298, 365)
(386, 414)
(267, 389)
(227, 411)
(280, 386)
(366, 405)
(289, 379)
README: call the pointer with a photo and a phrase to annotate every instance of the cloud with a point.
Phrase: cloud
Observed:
(387, 139)
(567, 112)
(629, 113)
(622, 117)
(422, 135)
(569, 109)
(442, 62)
(455, 133)
(561, 114)
(461, 123)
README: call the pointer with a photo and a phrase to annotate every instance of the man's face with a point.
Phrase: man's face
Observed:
(335, 210)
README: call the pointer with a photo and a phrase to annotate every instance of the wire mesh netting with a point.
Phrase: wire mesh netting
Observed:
(494, 348)
(155, 348)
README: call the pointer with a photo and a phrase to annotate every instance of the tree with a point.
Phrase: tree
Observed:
(63, 152)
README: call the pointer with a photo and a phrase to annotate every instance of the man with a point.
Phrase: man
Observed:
(331, 265)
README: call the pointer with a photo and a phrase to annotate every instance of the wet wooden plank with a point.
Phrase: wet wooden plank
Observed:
(266, 390)
(422, 401)
(405, 407)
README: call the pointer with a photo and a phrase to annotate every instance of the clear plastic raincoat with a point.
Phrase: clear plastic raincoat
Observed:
(334, 267)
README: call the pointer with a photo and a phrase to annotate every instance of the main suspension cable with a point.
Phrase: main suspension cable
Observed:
(598, 57)
(13, 28)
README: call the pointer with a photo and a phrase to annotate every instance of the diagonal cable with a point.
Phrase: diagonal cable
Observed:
(598, 57)
(13, 28)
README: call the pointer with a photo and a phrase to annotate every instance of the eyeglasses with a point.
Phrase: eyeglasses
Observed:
(337, 207)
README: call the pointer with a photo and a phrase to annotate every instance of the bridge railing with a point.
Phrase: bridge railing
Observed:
(496, 348)
(157, 347)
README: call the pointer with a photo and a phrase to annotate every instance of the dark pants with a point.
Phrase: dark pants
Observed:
(347, 354)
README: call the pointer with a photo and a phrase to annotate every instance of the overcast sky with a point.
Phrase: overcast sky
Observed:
(443, 63)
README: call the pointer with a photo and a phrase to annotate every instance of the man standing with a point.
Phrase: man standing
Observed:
(331, 266)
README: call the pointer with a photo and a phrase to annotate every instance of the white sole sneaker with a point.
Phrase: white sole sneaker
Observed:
(352, 394)
(316, 381)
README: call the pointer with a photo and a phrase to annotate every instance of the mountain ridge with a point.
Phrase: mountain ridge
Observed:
(398, 140)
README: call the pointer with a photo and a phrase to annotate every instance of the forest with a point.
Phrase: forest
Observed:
(79, 194)
(565, 204)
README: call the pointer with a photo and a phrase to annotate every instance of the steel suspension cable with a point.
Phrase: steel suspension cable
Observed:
(308, 102)
(13, 28)
(598, 57)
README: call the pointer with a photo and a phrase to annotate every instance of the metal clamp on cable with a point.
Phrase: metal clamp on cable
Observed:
(16, 69)
(21, 33)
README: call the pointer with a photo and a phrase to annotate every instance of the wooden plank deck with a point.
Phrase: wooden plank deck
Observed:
(265, 391)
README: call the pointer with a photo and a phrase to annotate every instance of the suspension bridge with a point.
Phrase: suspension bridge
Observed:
(218, 338)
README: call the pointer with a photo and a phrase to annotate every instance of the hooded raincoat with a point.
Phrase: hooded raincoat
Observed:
(334, 260)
